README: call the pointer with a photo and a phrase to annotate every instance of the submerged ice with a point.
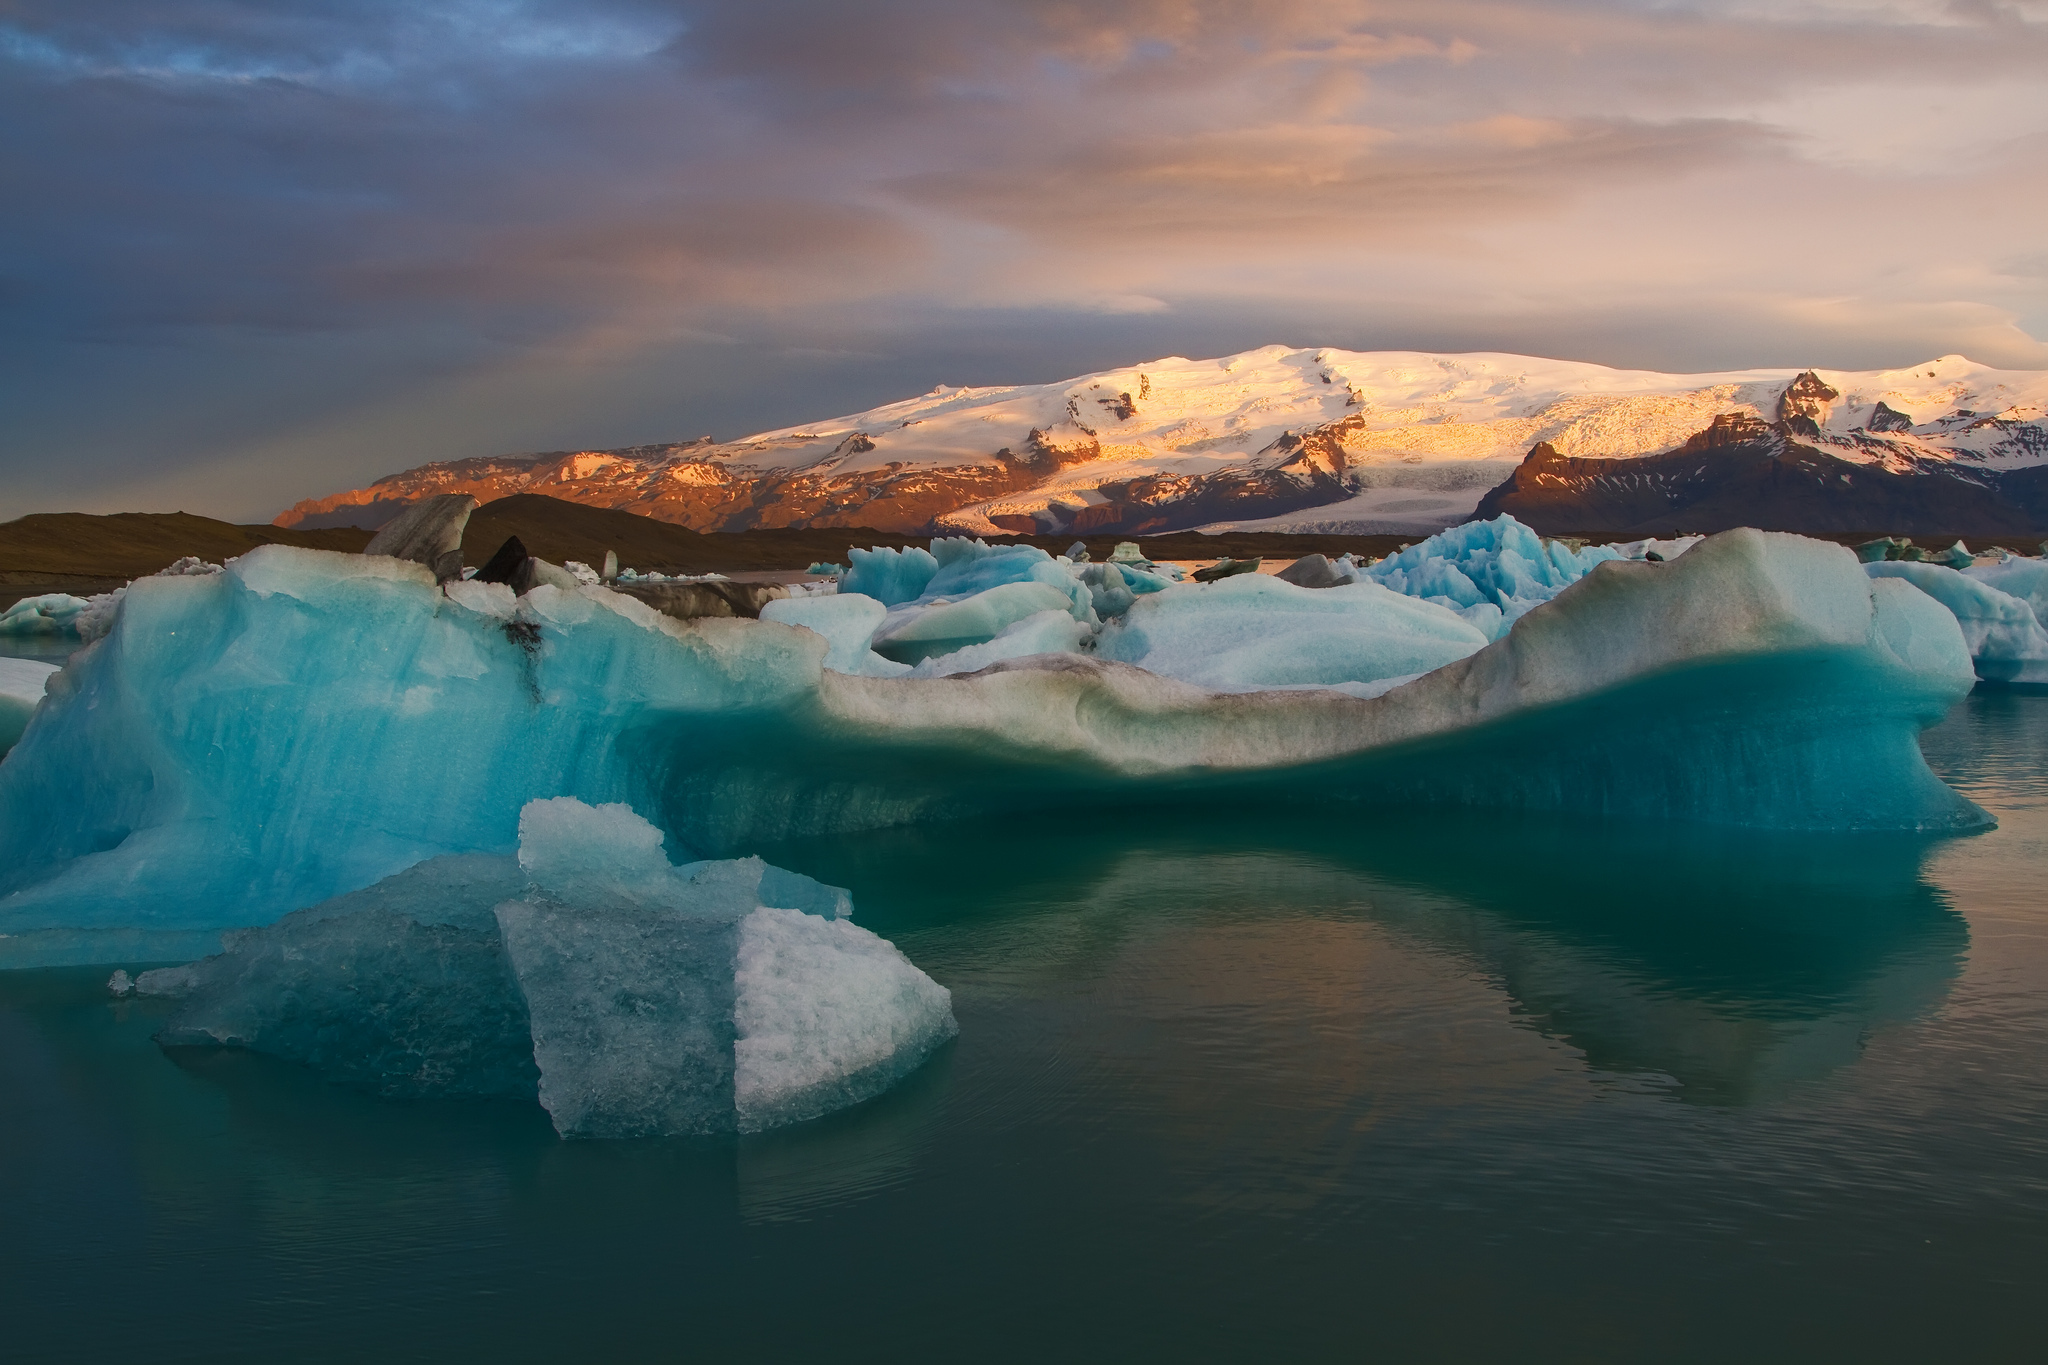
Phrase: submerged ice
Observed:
(632, 997)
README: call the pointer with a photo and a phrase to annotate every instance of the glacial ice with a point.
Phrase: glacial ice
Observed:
(633, 998)
(847, 621)
(1501, 563)
(1052, 631)
(402, 988)
(914, 634)
(825, 1015)
(1255, 631)
(2026, 579)
(892, 577)
(2004, 635)
(969, 567)
(53, 613)
(305, 724)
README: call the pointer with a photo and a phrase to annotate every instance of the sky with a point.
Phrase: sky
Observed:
(253, 251)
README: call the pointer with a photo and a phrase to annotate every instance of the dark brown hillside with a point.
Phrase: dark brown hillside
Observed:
(50, 547)
(1745, 472)
(557, 530)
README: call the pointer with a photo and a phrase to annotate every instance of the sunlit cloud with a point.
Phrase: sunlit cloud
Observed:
(313, 242)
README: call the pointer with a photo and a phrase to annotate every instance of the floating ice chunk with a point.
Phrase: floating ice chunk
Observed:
(827, 1015)
(971, 567)
(22, 685)
(428, 533)
(2005, 639)
(891, 577)
(402, 988)
(1254, 630)
(1112, 587)
(587, 972)
(1499, 561)
(632, 1016)
(1755, 681)
(53, 613)
(608, 855)
(603, 850)
(632, 972)
(1315, 571)
(1108, 593)
(169, 982)
(2026, 579)
(847, 621)
(1045, 632)
(917, 633)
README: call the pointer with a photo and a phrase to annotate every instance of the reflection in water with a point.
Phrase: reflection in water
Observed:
(1734, 963)
(1269, 1079)
(51, 649)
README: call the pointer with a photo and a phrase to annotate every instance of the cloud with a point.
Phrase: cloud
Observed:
(407, 210)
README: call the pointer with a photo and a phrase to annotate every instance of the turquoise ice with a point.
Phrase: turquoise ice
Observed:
(2002, 631)
(247, 743)
(630, 996)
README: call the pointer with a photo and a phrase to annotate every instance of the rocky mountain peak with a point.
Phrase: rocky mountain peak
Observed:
(1808, 396)
(1732, 429)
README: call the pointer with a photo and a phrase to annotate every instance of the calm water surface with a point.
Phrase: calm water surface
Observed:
(1283, 1083)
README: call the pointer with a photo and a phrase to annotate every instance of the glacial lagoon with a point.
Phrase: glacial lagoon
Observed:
(1278, 1080)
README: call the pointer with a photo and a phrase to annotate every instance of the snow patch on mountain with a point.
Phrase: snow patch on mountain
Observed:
(1275, 437)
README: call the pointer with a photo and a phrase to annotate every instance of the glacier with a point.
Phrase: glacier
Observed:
(301, 725)
(629, 996)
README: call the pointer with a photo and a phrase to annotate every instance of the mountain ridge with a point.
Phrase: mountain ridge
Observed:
(1346, 442)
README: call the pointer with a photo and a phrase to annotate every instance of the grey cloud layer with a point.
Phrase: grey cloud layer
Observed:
(487, 185)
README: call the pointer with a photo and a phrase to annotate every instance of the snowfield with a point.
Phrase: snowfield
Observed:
(1275, 438)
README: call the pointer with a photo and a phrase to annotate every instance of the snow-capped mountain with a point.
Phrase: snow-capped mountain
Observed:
(1385, 441)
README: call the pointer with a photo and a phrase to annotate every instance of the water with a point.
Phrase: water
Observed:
(51, 649)
(1274, 1083)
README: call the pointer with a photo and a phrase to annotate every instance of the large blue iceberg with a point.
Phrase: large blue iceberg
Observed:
(247, 743)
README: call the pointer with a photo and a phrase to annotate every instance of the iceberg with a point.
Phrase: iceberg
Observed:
(979, 592)
(631, 997)
(891, 577)
(402, 988)
(53, 613)
(1255, 631)
(923, 632)
(305, 724)
(1052, 631)
(969, 567)
(2002, 631)
(2026, 579)
(1499, 563)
